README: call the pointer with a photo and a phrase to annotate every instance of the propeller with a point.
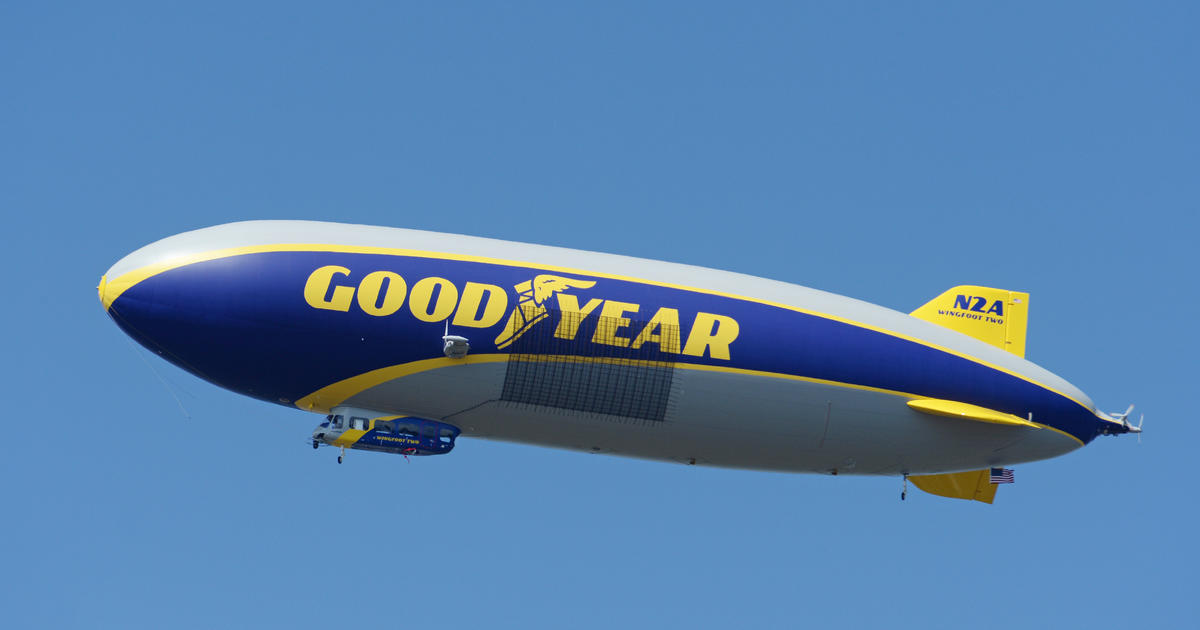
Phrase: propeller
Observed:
(1129, 428)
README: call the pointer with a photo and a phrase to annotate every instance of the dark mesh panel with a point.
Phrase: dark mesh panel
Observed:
(581, 375)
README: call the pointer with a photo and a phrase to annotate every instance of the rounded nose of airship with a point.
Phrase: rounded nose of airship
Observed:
(108, 291)
(129, 312)
(237, 321)
(102, 289)
(116, 299)
(112, 285)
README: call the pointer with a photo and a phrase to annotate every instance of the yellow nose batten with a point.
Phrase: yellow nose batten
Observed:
(110, 290)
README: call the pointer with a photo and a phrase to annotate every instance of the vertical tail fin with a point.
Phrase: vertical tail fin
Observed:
(995, 316)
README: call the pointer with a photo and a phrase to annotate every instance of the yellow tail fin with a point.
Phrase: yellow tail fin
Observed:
(995, 316)
(974, 485)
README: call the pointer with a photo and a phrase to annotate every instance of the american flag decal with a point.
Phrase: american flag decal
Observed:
(1002, 475)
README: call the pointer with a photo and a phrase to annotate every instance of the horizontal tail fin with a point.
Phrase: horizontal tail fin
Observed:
(995, 316)
(964, 411)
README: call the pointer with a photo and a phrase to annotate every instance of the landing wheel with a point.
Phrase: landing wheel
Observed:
(339, 459)
(315, 445)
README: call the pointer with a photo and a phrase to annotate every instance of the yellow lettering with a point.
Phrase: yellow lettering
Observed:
(393, 296)
(612, 319)
(422, 294)
(472, 297)
(572, 315)
(716, 340)
(317, 288)
(662, 329)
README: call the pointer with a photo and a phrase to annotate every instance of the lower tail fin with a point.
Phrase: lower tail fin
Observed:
(974, 485)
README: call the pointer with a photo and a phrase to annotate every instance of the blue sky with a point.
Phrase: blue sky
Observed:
(880, 151)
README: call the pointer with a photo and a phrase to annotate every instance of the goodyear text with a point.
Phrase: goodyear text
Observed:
(482, 305)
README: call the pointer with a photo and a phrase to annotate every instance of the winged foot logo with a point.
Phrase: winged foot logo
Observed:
(531, 304)
(481, 305)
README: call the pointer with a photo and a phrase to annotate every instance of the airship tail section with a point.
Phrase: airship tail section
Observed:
(974, 485)
(995, 316)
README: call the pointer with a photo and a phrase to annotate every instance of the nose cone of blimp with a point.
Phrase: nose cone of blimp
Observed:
(224, 308)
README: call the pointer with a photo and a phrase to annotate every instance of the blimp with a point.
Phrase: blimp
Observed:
(401, 341)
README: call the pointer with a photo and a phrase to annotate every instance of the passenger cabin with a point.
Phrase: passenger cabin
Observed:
(403, 435)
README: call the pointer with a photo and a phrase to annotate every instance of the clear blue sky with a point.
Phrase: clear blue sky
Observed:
(885, 151)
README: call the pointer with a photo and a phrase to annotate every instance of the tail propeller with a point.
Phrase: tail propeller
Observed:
(1123, 418)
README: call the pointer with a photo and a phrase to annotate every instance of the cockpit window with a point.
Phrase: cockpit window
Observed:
(358, 423)
(337, 421)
